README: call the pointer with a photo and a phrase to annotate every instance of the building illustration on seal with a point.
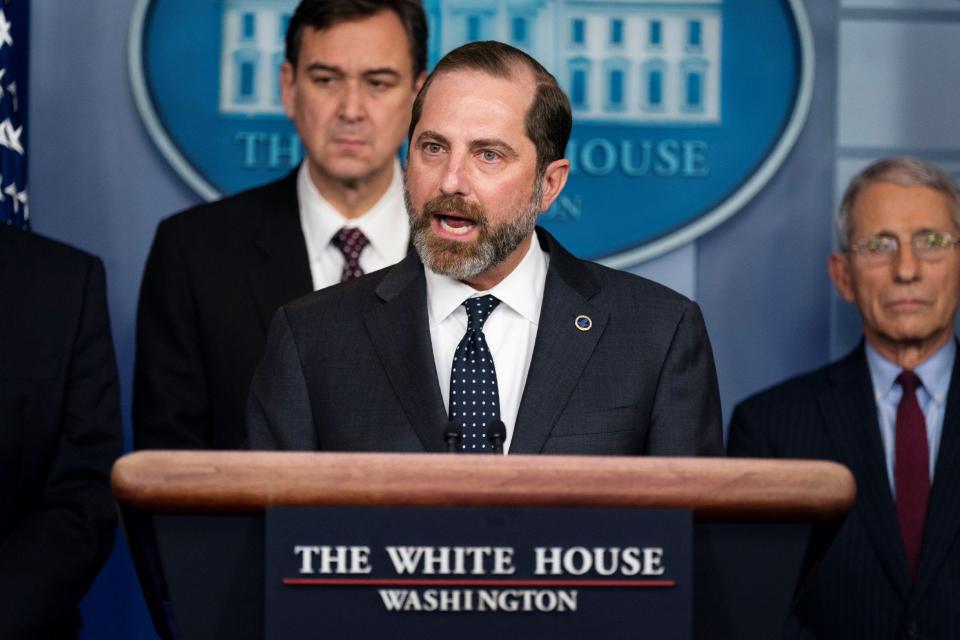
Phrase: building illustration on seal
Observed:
(620, 61)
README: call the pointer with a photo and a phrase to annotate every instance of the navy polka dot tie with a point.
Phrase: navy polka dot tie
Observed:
(350, 242)
(474, 398)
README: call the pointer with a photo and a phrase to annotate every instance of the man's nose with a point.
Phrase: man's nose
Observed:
(454, 180)
(906, 265)
(352, 106)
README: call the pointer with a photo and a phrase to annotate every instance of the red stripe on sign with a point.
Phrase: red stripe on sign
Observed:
(409, 582)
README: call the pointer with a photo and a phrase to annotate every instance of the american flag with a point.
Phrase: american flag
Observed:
(13, 113)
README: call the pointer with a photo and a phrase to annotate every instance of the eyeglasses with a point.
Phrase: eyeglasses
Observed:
(881, 249)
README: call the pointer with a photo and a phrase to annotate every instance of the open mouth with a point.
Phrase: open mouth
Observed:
(453, 224)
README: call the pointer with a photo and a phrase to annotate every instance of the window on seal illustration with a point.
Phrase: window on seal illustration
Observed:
(248, 26)
(520, 31)
(579, 83)
(578, 31)
(694, 34)
(655, 34)
(615, 74)
(474, 27)
(652, 79)
(694, 73)
(616, 32)
(245, 67)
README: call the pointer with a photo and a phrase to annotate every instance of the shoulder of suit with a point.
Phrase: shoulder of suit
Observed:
(34, 252)
(235, 213)
(350, 298)
(798, 390)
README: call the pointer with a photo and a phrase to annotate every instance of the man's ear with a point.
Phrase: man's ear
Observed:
(554, 178)
(287, 83)
(838, 266)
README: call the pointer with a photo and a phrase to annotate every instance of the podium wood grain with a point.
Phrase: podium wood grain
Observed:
(716, 489)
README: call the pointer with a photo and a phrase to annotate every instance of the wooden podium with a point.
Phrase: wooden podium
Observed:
(191, 515)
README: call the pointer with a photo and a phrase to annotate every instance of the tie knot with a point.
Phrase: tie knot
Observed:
(350, 241)
(908, 381)
(478, 310)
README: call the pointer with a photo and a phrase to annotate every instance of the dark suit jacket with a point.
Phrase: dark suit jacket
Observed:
(214, 278)
(352, 368)
(59, 433)
(861, 588)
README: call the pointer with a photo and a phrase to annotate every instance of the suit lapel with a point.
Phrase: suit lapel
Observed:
(943, 513)
(850, 413)
(561, 350)
(283, 272)
(400, 332)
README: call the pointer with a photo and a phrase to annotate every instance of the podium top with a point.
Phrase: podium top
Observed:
(250, 481)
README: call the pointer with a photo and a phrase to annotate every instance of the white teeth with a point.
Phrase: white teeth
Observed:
(455, 230)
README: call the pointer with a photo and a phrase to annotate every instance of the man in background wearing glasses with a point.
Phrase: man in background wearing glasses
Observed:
(890, 411)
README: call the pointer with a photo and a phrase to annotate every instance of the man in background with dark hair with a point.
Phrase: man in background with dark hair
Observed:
(217, 273)
(59, 434)
(491, 325)
(889, 410)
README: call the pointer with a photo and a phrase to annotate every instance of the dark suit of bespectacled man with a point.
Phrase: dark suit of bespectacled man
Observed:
(216, 273)
(585, 359)
(59, 434)
(889, 410)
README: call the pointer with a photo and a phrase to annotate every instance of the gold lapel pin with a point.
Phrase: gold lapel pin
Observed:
(583, 323)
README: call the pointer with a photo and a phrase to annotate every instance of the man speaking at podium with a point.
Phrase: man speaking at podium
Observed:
(492, 337)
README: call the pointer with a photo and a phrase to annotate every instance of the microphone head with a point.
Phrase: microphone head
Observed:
(497, 431)
(452, 432)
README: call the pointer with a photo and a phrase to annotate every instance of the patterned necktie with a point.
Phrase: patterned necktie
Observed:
(350, 242)
(911, 470)
(474, 400)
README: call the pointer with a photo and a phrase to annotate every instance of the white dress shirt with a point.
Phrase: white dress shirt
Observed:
(385, 225)
(510, 330)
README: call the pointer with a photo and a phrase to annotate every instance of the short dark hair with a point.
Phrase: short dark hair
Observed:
(322, 14)
(549, 119)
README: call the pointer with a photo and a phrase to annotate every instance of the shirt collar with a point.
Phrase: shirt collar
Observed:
(934, 372)
(321, 221)
(521, 290)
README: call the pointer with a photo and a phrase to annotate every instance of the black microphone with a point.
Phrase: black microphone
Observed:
(497, 433)
(452, 435)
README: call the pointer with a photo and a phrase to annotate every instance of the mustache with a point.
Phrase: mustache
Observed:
(450, 203)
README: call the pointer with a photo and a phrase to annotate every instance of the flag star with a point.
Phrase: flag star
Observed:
(5, 37)
(18, 197)
(10, 137)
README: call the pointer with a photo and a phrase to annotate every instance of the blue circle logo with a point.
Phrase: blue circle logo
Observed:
(683, 109)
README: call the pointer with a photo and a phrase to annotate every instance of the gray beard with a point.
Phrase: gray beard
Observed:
(463, 261)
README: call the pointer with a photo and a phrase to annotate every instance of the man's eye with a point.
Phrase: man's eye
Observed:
(932, 240)
(323, 80)
(379, 84)
(880, 245)
(489, 156)
(432, 148)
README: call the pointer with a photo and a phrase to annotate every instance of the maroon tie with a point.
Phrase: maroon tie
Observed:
(911, 470)
(350, 242)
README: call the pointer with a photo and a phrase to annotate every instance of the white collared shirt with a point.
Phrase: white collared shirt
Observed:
(511, 329)
(385, 225)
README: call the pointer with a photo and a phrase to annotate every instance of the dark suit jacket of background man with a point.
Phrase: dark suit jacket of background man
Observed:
(861, 589)
(59, 433)
(214, 278)
(351, 368)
